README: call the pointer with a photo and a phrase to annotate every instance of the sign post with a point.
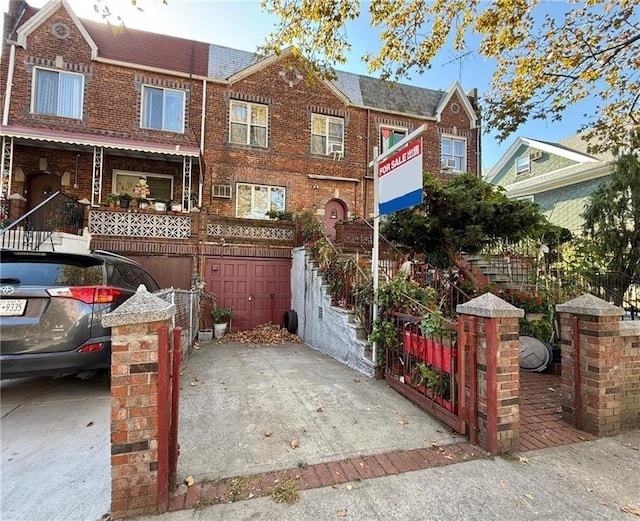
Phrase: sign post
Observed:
(397, 184)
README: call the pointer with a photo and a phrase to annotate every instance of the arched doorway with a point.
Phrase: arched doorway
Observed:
(42, 186)
(334, 211)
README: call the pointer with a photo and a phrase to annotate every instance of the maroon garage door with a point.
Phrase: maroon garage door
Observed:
(258, 290)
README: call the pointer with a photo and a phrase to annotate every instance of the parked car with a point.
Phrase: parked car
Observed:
(51, 308)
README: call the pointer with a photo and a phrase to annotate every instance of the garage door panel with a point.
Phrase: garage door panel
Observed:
(236, 279)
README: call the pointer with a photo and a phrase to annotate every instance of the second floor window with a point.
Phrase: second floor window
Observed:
(163, 109)
(248, 124)
(391, 136)
(453, 154)
(522, 165)
(255, 201)
(327, 135)
(58, 93)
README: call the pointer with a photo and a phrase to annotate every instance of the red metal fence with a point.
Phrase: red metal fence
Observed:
(432, 369)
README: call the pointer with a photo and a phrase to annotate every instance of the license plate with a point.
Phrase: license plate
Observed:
(12, 307)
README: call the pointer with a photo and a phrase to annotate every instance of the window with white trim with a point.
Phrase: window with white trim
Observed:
(58, 93)
(523, 165)
(248, 123)
(162, 109)
(256, 201)
(453, 154)
(160, 185)
(390, 136)
(327, 134)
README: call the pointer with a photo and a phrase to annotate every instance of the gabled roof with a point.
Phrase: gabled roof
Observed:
(559, 149)
(456, 88)
(226, 65)
(152, 50)
(584, 166)
(43, 14)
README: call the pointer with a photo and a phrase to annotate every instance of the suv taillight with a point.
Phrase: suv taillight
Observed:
(88, 294)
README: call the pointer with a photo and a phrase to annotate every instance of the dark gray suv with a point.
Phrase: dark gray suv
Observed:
(51, 306)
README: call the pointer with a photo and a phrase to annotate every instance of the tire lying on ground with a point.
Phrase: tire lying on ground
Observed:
(290, 322)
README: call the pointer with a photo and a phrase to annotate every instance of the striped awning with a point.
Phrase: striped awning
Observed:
(70, 138)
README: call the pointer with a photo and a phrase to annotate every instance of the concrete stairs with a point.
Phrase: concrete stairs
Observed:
(504, 271)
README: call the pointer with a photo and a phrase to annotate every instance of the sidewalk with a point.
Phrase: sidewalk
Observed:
(284, 418)
(594, 480)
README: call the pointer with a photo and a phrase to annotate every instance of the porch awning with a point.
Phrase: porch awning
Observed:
(70, 138)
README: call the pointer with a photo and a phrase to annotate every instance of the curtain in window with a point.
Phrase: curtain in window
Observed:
(46, 92)
(173, 110)
(152, 108)
(70, 96)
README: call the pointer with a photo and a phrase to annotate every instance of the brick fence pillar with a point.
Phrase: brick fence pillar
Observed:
(591, 347)
(497, 370)
(135, 328)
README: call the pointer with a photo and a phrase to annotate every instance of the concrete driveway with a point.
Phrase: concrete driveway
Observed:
(55, 453)
(247, 409)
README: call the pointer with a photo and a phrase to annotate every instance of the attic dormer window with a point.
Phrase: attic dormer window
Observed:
(522, 165)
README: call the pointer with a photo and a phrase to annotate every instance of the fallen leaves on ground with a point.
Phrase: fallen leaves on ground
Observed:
(295, 444)
(523, 459)
(268, 434)
(264, 334)
(631, 510)
(342, 513)
(189, 481)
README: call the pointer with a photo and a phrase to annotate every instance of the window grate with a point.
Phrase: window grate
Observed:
(320, 314)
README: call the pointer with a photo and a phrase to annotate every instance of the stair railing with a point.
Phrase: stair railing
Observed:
(37, 226)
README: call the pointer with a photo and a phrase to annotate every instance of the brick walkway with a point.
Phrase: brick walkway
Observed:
(541, 423)
(323, 475)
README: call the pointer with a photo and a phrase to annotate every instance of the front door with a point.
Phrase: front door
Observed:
(258, 290)
(335, 211)
(41, 186)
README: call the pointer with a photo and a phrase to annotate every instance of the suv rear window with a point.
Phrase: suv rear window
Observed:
(126, 275)
(45, 272)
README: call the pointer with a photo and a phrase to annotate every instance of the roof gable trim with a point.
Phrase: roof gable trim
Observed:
(43, 14)
(273, 58)
(457, 88)
(509, 155)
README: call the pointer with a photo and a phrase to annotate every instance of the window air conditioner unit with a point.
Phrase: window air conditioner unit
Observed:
(336, 150)
(221, 191)
(448, 164)
(535, 155)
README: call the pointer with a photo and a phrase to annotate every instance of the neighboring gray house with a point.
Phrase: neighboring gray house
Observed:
(559, 177)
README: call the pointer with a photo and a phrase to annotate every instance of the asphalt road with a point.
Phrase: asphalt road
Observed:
(55, 455)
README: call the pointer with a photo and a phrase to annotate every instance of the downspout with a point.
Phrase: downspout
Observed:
(7, 94)
(366, 168)
(202, 125)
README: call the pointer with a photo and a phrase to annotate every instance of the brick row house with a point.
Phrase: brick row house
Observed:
(224, 135)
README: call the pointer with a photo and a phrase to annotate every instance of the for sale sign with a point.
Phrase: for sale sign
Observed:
(400, 179)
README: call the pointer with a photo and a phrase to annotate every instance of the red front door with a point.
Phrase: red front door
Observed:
(258, 290)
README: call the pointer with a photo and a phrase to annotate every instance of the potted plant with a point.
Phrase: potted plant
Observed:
(221, 317)
(124, 199)
(143, 203)
(112, 199)
(160, 205)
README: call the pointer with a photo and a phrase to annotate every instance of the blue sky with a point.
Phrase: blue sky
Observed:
(242, 25)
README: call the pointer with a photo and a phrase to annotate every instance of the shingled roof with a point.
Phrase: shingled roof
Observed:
(221, 63)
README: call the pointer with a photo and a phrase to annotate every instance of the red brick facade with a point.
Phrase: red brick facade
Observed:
(80, 156)
(600, 367)
(112, 105)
